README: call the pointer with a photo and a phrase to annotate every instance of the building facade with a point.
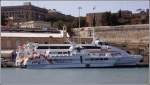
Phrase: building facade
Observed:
(94, 19)
(122, 17)
(26, 12)
(136, 19)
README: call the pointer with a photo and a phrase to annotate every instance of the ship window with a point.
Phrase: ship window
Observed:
(101, 58)
(105, 58)
(59, 47)
(94, 59)
(59, 52)
(53, 47)
(42, 47)
(102, 54)
(64, 52)
(91, 47)
(63, 60)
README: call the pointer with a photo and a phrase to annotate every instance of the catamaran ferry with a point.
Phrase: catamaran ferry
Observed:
(97, 54)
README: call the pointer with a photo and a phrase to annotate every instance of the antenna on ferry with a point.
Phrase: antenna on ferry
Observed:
(93, 24)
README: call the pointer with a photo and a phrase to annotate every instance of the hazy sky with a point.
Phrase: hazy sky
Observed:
(71, 7)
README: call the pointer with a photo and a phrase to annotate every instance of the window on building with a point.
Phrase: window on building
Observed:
(46, 42)
(89, 33)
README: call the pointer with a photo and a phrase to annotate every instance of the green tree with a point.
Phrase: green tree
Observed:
(75, 22)
(58, 24)
(119, 13)
(114, 19)
(106, 18)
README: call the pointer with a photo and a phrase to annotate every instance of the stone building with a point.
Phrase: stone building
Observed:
(26, 12)
(124, 16)
(103, 18)
(94, 19)
(136, 19)
(35, 24)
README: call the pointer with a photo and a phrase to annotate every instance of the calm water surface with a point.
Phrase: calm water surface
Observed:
(92, 76)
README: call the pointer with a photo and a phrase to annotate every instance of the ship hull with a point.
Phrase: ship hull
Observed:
(51, 66)
(128, 61)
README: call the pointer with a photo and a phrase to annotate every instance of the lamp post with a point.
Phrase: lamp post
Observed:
(93, 24)
(93, 16)
(79, 23)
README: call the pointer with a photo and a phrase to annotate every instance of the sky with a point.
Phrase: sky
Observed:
(71, 7)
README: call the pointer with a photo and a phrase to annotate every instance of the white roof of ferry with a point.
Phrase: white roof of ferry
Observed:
(17, 34)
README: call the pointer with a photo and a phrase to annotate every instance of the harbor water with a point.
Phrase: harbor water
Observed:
(82, 76)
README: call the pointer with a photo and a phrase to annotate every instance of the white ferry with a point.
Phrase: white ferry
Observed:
(60, 57)
(97, 54)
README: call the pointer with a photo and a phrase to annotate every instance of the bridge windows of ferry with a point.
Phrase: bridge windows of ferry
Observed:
(92, 47)
(102, 43)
